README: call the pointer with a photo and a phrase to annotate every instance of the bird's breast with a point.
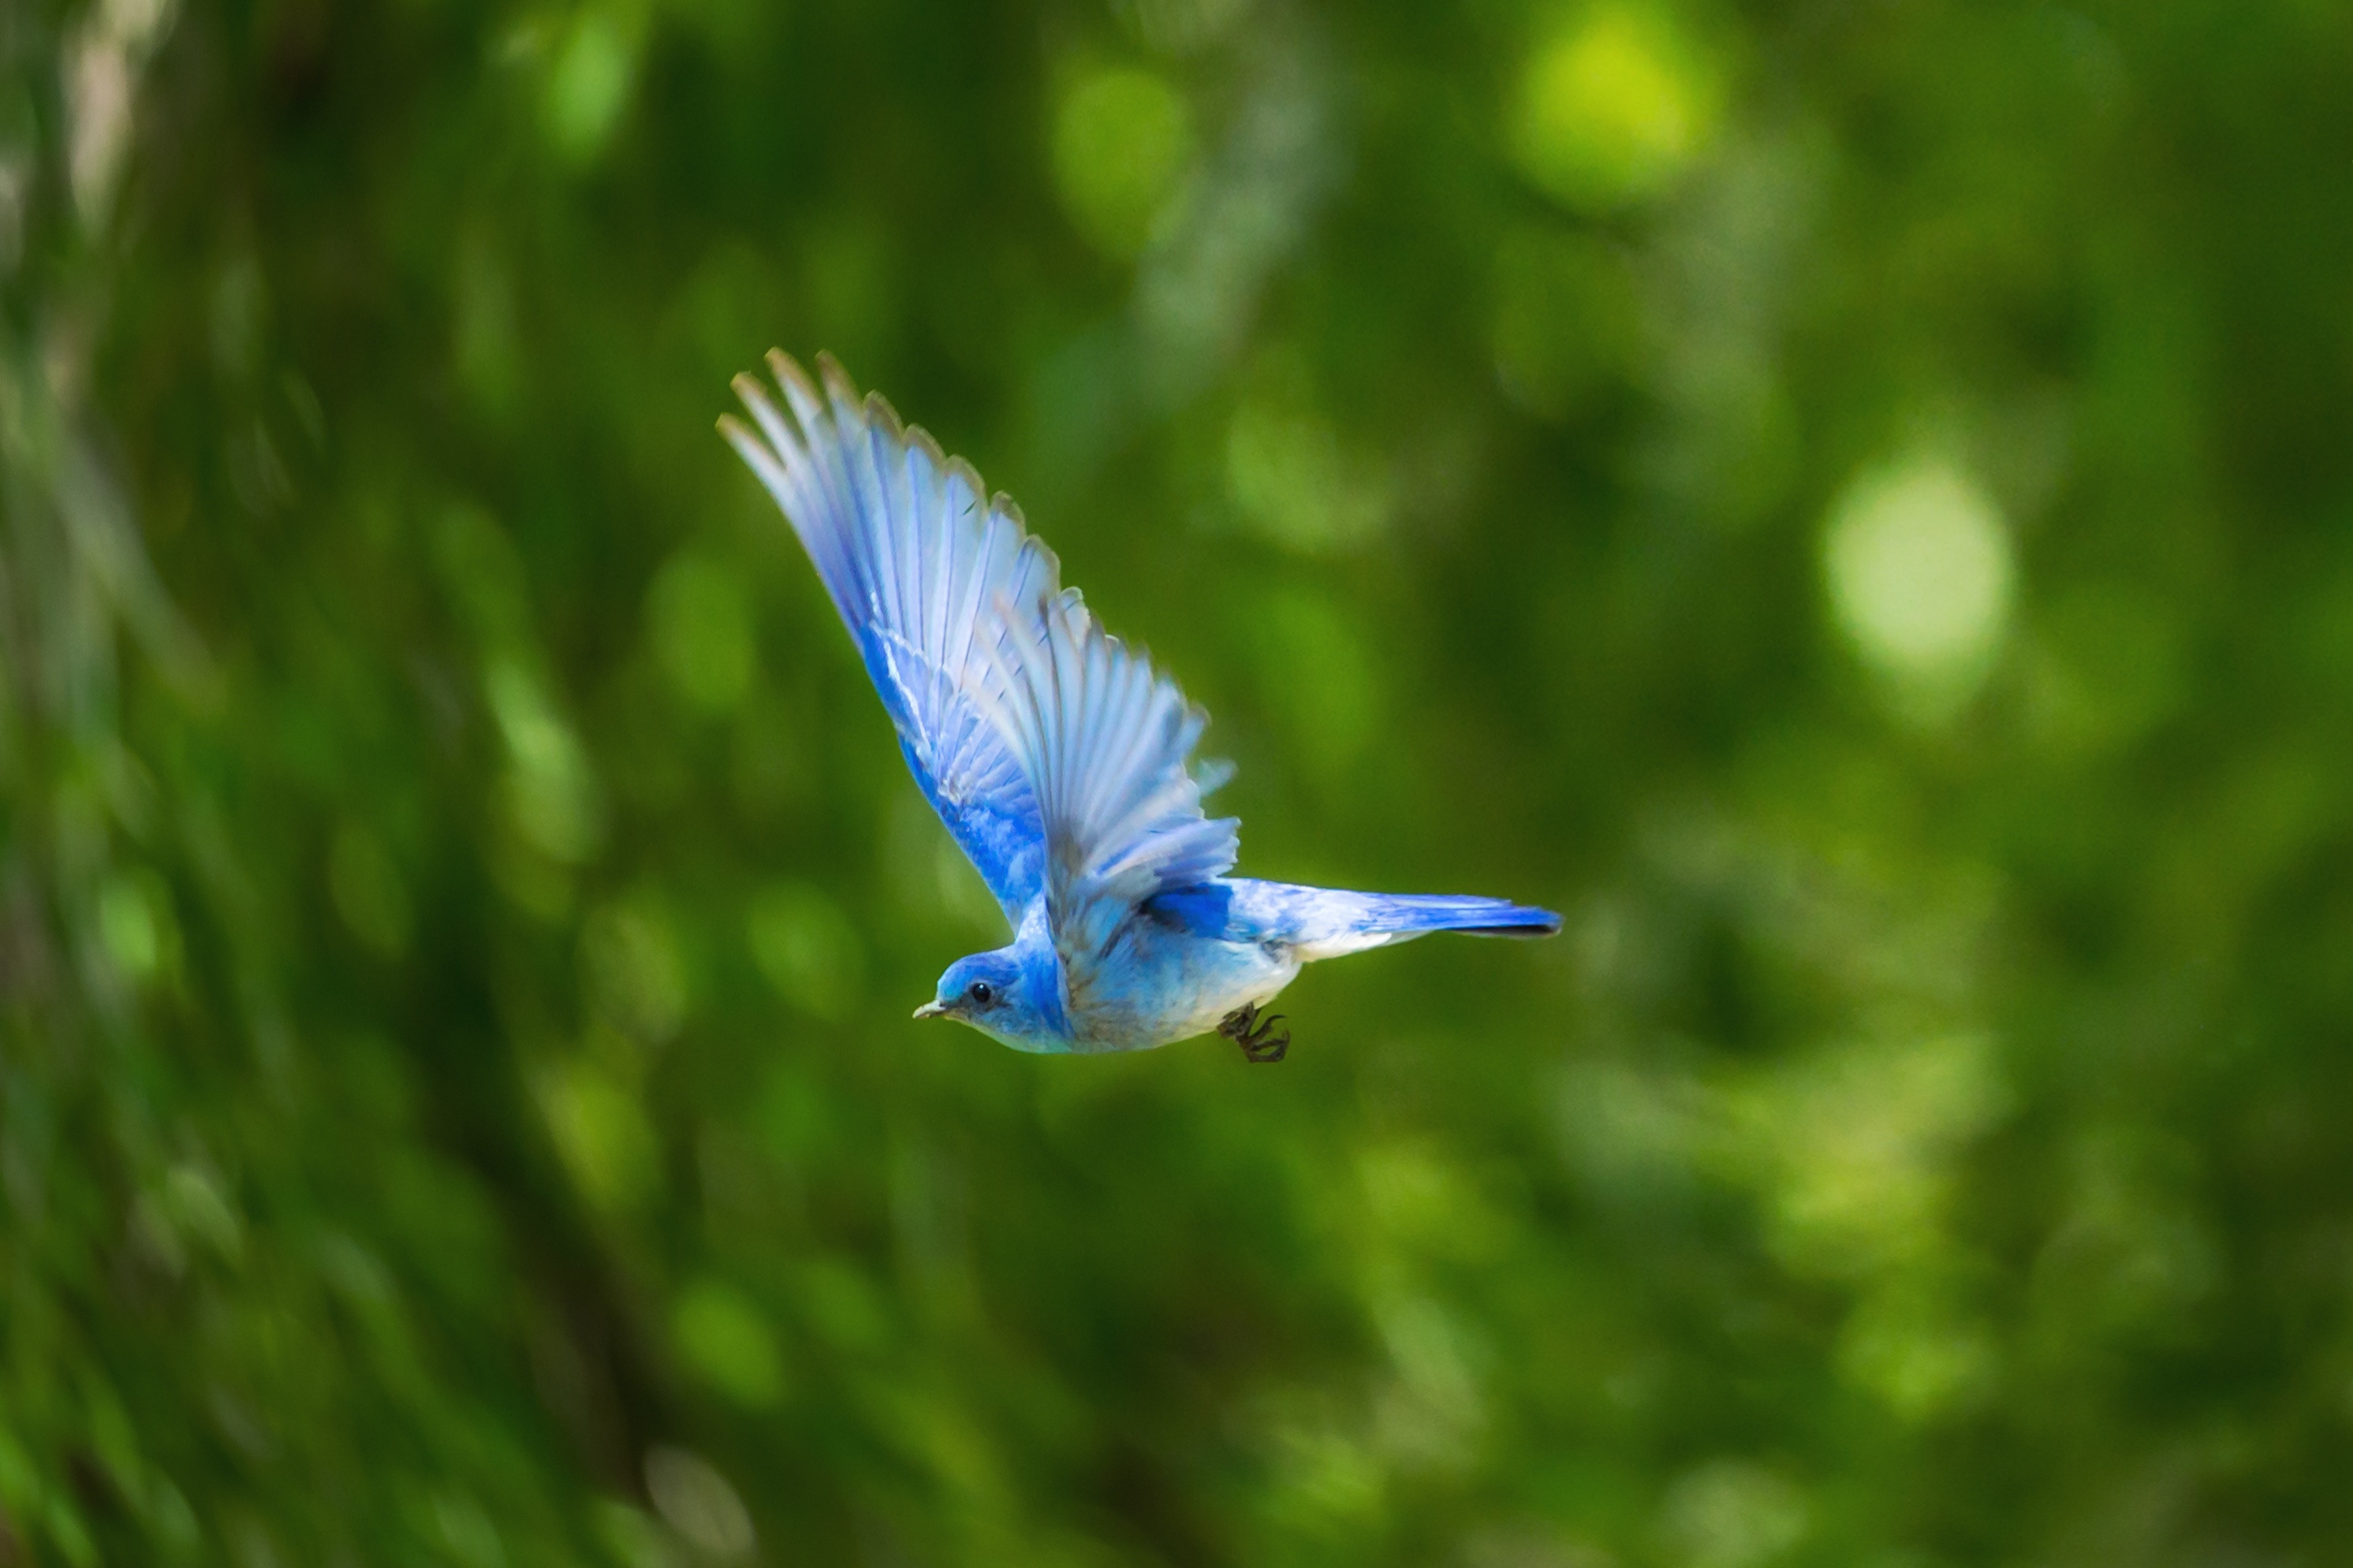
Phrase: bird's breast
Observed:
(1157, 985)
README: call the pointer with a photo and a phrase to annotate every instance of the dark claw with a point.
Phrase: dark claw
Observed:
(1267, 1047)
(1256, 1035)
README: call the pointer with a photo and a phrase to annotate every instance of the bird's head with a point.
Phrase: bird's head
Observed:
(1001, 996)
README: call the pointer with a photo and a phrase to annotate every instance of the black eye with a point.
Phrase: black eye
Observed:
(981, 992)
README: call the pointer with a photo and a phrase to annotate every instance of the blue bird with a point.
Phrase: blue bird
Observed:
(1059, 759)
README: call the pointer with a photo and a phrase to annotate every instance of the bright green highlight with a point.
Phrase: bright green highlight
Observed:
(1611, 110)
(724, 1338)
(1122, 141)
(1920, 573)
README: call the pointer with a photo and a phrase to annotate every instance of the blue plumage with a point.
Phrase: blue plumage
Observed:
(1059, 759)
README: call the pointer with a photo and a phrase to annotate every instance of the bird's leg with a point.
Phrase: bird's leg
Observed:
(1256, 1034)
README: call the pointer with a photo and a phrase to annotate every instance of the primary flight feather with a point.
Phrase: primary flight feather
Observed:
(1060, 760)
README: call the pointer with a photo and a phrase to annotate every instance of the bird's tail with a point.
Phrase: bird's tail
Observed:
(1326, 923)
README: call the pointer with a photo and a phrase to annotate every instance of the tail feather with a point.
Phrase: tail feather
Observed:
(1326, 923)
(1410, 914)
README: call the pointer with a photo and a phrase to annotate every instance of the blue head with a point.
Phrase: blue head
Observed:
(1008, 995)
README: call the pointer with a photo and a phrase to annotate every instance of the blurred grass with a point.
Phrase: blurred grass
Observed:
(1850, 503)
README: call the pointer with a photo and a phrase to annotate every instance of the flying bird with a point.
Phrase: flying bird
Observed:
(1060, 760)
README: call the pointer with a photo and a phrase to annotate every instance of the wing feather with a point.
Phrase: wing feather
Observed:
(1058, 756)
(1106, 739)
(920, 566)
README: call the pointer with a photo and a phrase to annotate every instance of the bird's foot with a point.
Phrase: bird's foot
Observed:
(1256, 1034)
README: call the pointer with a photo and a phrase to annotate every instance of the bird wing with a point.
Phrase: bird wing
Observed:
(1056, 754)
(931, 575)
(1105, 741)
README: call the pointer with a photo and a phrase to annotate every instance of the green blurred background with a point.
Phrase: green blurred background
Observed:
(1851, 500)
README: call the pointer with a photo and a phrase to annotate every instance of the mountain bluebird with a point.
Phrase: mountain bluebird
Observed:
(1059, 758)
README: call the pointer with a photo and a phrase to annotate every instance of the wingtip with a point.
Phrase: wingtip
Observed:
(742, 436)
(876, 410)
(836, 381)
(794, 383)
(920, 439)
(961, 472)
(784, 367)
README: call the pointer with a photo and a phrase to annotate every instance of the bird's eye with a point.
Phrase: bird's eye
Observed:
(981, 992)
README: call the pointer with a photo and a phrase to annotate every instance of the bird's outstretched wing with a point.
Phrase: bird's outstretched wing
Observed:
(930, 572)
(1056, 754)
(1106, 742)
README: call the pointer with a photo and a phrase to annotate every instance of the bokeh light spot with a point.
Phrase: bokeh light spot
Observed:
(1920, 573)
(133, 923)
(633, 970)
(201, 1211)
(1734, 1513)
(696, 1500)
(1122, 141)
(723, 1337)
(1610, 112)
(1295, 483)
(808, 948)
(466, 1532)
(602, 1135)
(700, 625)
(1857, 1146)
(1908, 1346)
(588, 85)
(550, 792)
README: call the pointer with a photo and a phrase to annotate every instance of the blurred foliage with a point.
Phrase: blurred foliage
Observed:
(1850, 501)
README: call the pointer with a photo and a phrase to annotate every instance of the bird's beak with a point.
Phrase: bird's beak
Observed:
(931, 1010)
